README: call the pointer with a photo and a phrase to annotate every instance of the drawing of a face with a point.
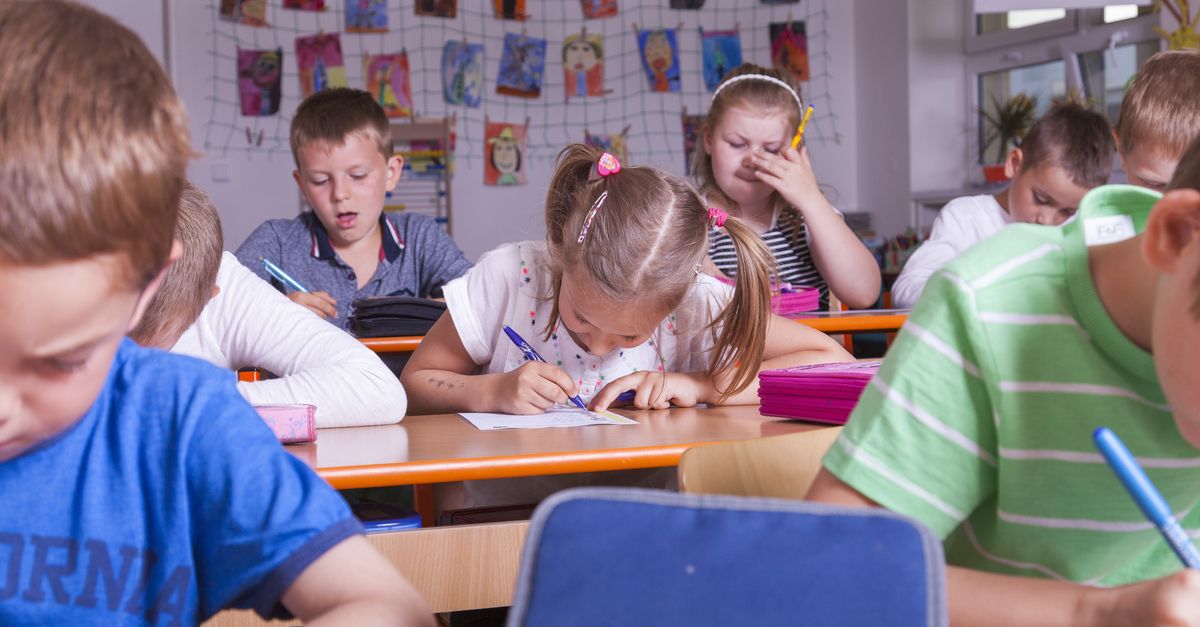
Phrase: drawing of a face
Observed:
(506, 157)
(658, 51)
(266, 69)
(579, 56)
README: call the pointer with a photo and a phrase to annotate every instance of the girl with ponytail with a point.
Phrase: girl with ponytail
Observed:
(614, 301)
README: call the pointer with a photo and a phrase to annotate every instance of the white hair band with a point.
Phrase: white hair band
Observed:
(759, 77)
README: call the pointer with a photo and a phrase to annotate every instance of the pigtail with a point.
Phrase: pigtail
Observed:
(743, 324)
(575, 165)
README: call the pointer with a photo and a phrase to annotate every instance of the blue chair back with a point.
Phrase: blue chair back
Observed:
(617, 556)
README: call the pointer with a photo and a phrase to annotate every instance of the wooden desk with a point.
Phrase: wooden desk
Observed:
(862, 321)
(445, 447)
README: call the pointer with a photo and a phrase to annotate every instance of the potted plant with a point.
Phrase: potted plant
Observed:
(1006, 124)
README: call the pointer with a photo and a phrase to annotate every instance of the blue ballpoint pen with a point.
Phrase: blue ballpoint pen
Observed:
(278, 273)
(532, 355)
(1146, 495)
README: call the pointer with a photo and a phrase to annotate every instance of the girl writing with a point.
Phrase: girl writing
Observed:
(745, 163)
(614, 300)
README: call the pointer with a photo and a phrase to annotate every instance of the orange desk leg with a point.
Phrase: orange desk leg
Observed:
(425, 504)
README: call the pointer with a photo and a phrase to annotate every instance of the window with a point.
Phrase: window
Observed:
(1106, 74)
(1012, 20)
(1043, 82)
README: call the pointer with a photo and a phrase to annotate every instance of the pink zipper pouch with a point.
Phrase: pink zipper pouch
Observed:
(292, 424)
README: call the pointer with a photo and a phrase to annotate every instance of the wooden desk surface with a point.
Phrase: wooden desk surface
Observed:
(865, 320)
(445, 447)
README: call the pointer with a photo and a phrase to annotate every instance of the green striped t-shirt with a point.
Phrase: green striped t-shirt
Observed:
(980, 420)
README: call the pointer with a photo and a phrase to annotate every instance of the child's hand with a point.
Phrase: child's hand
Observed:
(1172, 600)
(320, 303)
(654, 390)
(532, 389)
(790, 173)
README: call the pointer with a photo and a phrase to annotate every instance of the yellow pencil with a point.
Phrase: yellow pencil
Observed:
(800, 129)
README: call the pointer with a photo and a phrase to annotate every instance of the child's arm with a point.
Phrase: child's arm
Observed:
(843, 260)
(441, 377)
(352, 584)
(947, 240)
(317, 363)
(980, 599)
(267, 242)
(788, 343)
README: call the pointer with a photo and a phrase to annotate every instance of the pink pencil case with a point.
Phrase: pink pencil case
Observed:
(292, 424)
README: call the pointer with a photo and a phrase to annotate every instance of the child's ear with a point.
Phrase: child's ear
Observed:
(395, 167)
(1172, 230)
(1012, 165)
(706, 138)
(152, 288)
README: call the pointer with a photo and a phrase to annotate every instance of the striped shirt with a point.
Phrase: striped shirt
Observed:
(794, 262)
(980, 421)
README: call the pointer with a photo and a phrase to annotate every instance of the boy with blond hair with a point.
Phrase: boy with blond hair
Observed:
(137, 485)
(980, 421)
(211, 307)
(1065, 153)
(346, 248)
(1159, 117)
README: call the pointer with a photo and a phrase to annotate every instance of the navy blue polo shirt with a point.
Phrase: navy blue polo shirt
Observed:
(416, 257)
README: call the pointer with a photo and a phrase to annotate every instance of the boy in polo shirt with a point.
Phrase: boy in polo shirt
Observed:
(136, 486)
(979, 423)
(346, 247)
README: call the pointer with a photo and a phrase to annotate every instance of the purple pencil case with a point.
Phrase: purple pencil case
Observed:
(292, 424)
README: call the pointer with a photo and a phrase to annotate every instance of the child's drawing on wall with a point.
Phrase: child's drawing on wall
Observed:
(583, 65)
(522, 65)
(319, 58)
(388, 80)
(505, 154)
(259, 74)
(462, 73)
(660, 58)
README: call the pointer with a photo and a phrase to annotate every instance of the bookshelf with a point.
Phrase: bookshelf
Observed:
(427, 146)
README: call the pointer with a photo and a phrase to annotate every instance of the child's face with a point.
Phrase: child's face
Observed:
(61, 326)
(739, 134)
(1176, 325)
(598, 324)
(346, 185)
(1043, 194)
(1145, 167)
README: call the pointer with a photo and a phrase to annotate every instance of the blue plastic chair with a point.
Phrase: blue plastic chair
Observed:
(613, 556)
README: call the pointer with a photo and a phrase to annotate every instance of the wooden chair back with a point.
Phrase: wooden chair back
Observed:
(781, 466)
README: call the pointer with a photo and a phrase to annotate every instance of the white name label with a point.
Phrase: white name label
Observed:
(1108, 229)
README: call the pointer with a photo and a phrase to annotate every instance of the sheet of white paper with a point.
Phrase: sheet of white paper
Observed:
(556, 417)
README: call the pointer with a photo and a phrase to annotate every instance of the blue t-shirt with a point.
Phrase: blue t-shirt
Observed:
(167, 502)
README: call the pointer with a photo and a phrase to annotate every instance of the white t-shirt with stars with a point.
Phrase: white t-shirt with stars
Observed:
(512, 285)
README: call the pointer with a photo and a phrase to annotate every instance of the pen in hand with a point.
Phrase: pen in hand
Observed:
(1146, 495)
(533, 355)
(278, 273)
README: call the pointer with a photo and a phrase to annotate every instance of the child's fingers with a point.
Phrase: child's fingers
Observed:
(325, 297)
(609, 393)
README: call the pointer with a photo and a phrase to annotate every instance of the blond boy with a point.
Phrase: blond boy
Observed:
(980, 421)
(346, 248)
(1159, 117)
(137, 485)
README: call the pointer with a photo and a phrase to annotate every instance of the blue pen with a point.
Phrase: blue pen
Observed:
(1146, 495)
(532, 355)
(278, 273)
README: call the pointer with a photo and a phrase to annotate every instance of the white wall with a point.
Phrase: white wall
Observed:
(939, 152)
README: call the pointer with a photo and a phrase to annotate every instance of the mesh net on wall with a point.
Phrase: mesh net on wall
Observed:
(654, 119)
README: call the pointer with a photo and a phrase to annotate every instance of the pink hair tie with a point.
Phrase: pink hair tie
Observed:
(607, 164)
(717, 217)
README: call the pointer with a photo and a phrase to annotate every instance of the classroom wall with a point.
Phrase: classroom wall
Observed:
(939, 154)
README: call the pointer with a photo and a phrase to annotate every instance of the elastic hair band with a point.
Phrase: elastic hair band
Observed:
(759, 77)
(717, 217)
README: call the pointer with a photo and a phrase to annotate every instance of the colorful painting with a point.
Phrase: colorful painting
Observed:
(599, 8)
(462, 73)
(388, 80)
(305, 5)
(437, 8)
(319, 58)
(660, 58)
(248, 12)
(722, 52)
(522, 66)
(510, 9)
(583, 65)
(259, 74)
(613, 143)
(366, 16)
(505, 154)
(789, 48)
(693, 125)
